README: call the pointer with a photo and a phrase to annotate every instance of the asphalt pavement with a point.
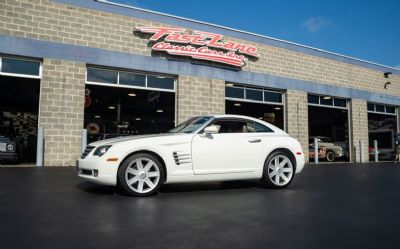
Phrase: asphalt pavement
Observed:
(327, 206)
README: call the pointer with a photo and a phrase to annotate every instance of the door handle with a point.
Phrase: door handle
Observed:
(255, 140)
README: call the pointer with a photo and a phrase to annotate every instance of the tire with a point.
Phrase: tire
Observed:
(281, 176)
(330, 156)
(141, 174)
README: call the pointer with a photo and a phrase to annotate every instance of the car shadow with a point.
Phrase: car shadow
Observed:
(209, 186)
(97, 189)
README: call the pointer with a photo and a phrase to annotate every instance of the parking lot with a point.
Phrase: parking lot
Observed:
(328, 206)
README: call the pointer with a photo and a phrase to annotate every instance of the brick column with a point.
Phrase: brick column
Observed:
(199, 96)
(359, 128)
(297, 117)
(61, 110)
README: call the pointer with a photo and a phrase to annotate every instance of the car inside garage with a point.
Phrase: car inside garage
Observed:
(19, 105)
(328, 123)
(382, 128)
(260, 103)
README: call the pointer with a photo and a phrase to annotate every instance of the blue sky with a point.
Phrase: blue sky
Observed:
(368, 30)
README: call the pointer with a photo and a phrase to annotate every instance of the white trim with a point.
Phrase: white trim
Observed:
(244, 32)
(382, 113)
(329, 106)
(254, 101)
(21, 75)
(128, 86)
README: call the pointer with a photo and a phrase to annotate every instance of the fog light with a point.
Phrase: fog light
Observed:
(95, 172)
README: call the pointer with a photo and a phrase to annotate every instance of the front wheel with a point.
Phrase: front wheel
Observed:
(279, 169)
(330, 156)
(141, 175)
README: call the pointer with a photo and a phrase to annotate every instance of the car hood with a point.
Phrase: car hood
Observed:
(113, 141)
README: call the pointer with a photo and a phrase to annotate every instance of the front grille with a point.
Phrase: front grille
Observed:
(87, 151)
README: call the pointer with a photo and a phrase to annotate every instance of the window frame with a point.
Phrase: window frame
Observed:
(384, 107)
(30, 76)
(245, 99)
(117, 84)
(328, 106)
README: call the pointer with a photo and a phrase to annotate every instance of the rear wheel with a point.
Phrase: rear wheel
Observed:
(279, 170)
(141, 174)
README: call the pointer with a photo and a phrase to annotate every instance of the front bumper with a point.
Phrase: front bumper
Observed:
(300, 162)
(8, 156)
(98, 170)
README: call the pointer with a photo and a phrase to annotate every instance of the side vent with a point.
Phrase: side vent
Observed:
(181, 158)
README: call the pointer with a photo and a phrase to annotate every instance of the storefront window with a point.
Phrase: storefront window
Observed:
(20, 66)
(234, 92)
(254, 94)
(160, 82)
(102, 76)
(132, 79)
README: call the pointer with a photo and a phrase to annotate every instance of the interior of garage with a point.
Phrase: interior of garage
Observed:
(19, 105)
(328, 122)
(118, 111)
(261, 103)
(270, 113)
(382, 127)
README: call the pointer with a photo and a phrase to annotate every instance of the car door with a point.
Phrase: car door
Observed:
(235, 148)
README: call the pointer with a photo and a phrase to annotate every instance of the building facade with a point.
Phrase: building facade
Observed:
(68, 65)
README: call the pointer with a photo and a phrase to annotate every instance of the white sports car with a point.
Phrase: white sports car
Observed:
(206, 148)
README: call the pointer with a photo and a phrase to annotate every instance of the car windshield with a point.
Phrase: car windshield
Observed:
(190, 125)
(6, 131)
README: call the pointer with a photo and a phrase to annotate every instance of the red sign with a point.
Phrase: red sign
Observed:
(200, 45)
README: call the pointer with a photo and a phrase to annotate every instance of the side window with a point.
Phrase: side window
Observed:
(234, 126)
(262, 128)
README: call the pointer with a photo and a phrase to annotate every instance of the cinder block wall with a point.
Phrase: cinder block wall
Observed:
(199, 96)
(297, 117)
(359, 129)
(61, 110)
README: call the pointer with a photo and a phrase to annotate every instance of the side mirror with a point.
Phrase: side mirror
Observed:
(212, 129)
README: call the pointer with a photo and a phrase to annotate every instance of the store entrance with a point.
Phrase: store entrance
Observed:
(19, 105)
(117, 111)
(328, 122)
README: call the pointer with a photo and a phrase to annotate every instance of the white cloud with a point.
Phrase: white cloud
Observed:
(315, 24)
(398, 66)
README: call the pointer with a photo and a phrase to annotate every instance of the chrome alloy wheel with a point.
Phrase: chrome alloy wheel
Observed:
(280, 170)
(142, 175)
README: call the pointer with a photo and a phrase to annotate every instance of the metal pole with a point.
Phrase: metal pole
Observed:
(316, 150)
(84, 140)
(361, 151)
(40, 147)
(376, 151)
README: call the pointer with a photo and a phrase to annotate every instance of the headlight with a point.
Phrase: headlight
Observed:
(10, 147)
(101, 150)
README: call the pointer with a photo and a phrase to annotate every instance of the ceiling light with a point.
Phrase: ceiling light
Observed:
(132, 94)
(327, 97)
(237, 104)
(260, 118)
(111, 107)
(97, 116)
(138, 119)
(277, 108)
(229, 84)
(160, 110)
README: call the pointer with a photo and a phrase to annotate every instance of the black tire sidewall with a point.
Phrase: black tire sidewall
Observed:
(266, 181)
(122, 169)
